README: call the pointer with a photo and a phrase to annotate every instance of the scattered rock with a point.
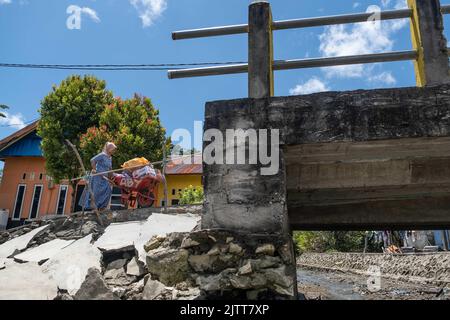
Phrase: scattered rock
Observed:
(117, 264)
(134, 291)
(152, 290)
(210, 283)
(135, 268)
(94, 288)
(202, 263)
(189, 243)
(267, 249)
(119, 291)
(246, 269)
(215, 251)
(64, 297)
(254, 281)
(153, 244)
(118, 277)
(235, 248)
(168, 266)
(265, 262)
(113, 273)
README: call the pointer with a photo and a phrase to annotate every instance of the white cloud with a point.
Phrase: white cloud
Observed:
(356, 5)
(149, 10)
(385, 3)
(360, 38)
(385, 77)
(5, 2)
(91, 13)
(311, 86)
(15, 121)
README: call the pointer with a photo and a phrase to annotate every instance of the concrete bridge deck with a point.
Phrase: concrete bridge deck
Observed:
(364, 159)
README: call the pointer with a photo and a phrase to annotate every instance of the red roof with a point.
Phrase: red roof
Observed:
(177, 167)
(18, 135)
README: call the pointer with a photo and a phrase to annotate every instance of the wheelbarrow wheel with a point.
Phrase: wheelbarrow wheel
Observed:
(145, 199)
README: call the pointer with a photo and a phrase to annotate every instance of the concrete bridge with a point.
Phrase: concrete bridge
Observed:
(362, 160)
(349, 160)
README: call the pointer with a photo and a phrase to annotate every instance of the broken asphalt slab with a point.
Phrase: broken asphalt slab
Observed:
(26, 282)
(43, 252)
(69, 267)
(125, 236)
(18, 244)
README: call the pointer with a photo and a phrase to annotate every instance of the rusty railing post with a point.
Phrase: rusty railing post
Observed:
(431, 66)
(260, 51)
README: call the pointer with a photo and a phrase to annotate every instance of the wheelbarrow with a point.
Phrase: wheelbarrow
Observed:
(140, 189)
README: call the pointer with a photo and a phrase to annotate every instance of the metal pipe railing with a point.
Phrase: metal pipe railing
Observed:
(301, 23)
(298, 23)
(208, 71)
(210, 32)
(297, 64)
(345, 60)
(342, 19)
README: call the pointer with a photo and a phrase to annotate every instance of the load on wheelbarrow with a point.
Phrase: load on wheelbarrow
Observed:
(138, 183)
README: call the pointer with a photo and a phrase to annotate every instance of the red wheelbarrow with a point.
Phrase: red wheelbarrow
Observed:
(139, 186)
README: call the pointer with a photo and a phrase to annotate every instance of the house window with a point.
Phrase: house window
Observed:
(174, 192)
(24, 176)
(78, 195)
(61, 203)
(36, 202)
(19, 201)
(40, 176)
(175, 202)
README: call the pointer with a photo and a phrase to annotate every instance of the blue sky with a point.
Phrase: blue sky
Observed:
(139, 31)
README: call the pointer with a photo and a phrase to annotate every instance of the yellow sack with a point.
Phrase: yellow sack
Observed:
(135, 163)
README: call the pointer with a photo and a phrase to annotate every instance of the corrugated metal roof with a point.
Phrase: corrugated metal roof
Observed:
(28, 146)
(6, 142)
(177, 167)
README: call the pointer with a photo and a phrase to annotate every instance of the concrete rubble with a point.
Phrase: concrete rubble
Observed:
(153, 257)
(43, 252)
(26, 282)
(69, 266)
(19, 243)
(75, 258)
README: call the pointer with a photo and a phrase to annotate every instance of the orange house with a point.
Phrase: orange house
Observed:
(25, 190)
(28, 193)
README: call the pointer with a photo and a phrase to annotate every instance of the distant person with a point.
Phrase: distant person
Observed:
(100, 186)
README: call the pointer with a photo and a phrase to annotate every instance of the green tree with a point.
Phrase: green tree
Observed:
(133, 125)
(66, 113)
(326, 241)
(191, 195)
(3, 107)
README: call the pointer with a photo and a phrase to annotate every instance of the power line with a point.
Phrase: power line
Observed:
(116, 67)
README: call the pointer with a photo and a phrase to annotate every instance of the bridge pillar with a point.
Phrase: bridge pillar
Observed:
(245, 196)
